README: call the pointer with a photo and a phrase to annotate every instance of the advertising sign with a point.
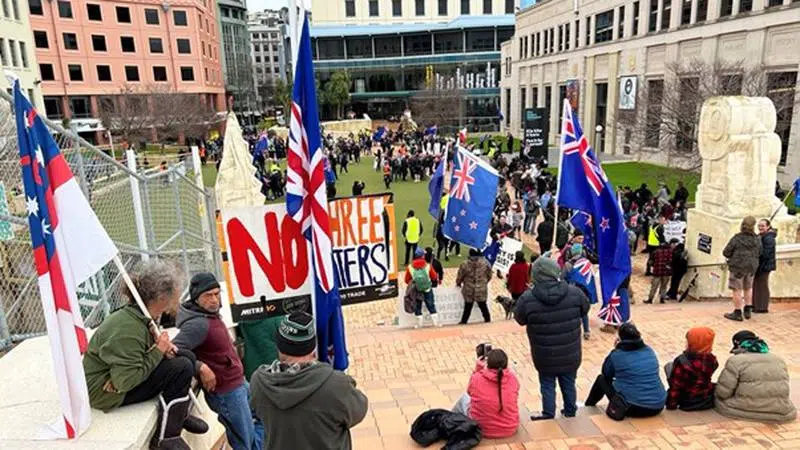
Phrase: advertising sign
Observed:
(627, 93)
(536, 129)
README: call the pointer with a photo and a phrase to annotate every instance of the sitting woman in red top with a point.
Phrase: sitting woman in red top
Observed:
(492, 395)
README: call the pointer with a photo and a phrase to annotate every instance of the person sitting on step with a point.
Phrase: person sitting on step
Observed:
(689, 375)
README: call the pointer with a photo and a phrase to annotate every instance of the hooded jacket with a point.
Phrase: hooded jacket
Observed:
(205, 334)
(420, 263)
(743, 252)
(552, 312)
(473, 278)
(755, 386)
(306, 407)
(634, 369)
(766, 259)
(484, 406)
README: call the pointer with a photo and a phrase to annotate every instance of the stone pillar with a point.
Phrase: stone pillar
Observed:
(693, 14)
(740, 153)
(627, 28)
(615, 22)
(588, 97)
(736, 6)
(611, 103)
(712, 13)
(592, 26)
(659, 15)
(676, 13)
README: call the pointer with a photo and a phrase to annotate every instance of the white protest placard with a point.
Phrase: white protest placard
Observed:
(505, 257)
(449, 305)
(675, 229)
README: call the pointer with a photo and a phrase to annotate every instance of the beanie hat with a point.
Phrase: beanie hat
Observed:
(629, 332)
(700, 340)
(545, 269)
(419, 253)
(296, 335)
(202, 282)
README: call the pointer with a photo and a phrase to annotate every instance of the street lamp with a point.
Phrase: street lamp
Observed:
(598, 135)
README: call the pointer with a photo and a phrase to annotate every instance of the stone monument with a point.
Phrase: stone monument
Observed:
(740, 153)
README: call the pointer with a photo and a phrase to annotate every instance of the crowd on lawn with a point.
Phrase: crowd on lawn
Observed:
(298, 402)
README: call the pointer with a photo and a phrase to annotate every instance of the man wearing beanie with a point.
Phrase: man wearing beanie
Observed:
(203, 332)
(305, 404)
(552, 312)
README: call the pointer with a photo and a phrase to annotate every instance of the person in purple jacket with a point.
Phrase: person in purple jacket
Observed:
(218, 365)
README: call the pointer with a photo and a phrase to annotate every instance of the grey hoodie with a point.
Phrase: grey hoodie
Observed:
(306, 407)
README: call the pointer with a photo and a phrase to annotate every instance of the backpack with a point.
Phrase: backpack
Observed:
(422, 278)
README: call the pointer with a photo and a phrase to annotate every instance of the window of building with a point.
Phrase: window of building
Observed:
(566, 36)
(373, 8)
(487, 6)
(548, 102)
(40, 39)
(560, 35)
(94, 12)
(781, 87)
(510, 7)
(521, 49)
(397, 8)
(179, 18)
(508, 107)
(504, 34)
(46, 72)
(75, 72)
(419, 7)
(655, 94)
(151, 16)
(184, 46)
(588, 29)
(258, 59)
(545, 45)
(226, 12)
(604, 27)
(12, 49)
(621, 23)
(577, 34)
(666, 15)
(104, 73)
(635, 30)
(70, 41)
(187, 73)
(387, 46)
(156, 46)
(465, 7)
(443, 7)
(450, 42)
(480, 40)
(127, 43)
(358, 48)
(686, 12)
(702, 10)
(99, 43)
(745, 6)
(417, 44)
(552, 40)
(652, 20)
(773, 3)
(132, 73)
(123, 14)
(64, 10)
(331, 48)
(52, 108)
(523, 103)
(526, 46)
(159, 73)
(35, 7)
(3, 57)
(106, 104)
(80, 107)
(350, 8)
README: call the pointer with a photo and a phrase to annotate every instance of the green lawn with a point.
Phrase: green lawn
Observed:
(633, 174)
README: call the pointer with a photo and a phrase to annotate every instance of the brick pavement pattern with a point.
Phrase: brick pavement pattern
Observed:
(406, 372)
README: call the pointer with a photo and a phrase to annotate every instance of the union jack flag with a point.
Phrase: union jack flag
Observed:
(463, 177)
(611, 312)
(307, 203)
(573, 141)
(584, 267)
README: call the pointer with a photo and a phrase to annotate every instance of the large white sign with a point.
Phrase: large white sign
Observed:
(627, 93)
(505, 258)
(449, 305)
(675, 229)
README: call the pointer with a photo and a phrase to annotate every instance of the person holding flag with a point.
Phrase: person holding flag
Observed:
(584, 186)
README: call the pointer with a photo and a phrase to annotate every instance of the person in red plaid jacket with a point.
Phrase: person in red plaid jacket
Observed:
(689, 375)
(662, 271)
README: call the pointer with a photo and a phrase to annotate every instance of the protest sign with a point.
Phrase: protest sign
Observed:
(449, 305)
(508, 248)
(269, 273)
(675, 229)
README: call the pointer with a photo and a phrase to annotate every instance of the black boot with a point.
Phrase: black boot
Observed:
(195, 425)
(735, 315)
(171, 419)
(748, 311)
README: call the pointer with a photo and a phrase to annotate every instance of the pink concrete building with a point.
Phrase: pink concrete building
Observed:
(89, 51)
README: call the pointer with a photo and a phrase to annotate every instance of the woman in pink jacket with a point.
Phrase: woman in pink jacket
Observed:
(492, 395)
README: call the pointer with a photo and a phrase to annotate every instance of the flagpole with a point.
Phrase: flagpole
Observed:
(560, 171)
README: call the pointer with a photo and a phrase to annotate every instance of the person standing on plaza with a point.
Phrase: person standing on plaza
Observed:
(551, 312)
(517, 280)
(220, 370)
(424, 277)
(662, 270)
(766, 264)
(304, 403)
(473, 278)
(531, 199)
(742, 252)
(412, 231)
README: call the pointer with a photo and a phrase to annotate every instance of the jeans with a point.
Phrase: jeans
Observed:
(585, 322)
(462, 405)
(242, 428)
(602, 387)
(547, 387)
(530, 221)
(428, 297)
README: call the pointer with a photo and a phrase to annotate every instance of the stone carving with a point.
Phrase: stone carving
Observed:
(740, 152)
(236, 182)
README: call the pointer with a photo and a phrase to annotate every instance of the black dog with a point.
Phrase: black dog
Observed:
(508, 305)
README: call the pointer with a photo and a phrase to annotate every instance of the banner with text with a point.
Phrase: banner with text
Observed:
(505, 258)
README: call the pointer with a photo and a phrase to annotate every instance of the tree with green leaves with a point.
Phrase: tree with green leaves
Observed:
(336, 92)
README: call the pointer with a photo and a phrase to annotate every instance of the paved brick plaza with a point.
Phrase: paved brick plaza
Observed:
(405, 372)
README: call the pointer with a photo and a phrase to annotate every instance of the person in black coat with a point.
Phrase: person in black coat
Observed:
(766, 264)
(552, 312)
(358, 187)
(436, 265)
(680, 265)
(544, 234)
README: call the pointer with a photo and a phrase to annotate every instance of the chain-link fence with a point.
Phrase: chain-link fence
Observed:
(158, 213)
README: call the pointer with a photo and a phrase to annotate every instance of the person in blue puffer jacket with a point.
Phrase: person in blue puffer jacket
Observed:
(630, 378)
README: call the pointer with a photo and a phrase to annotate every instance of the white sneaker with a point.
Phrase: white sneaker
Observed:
(435, 318)
(420, 320)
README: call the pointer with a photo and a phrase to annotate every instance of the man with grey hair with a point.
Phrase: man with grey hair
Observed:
(305, 403)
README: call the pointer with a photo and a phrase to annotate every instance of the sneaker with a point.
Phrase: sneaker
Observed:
(735, 315)
(587, 335)
(539, 417)
(648, 302)
(748, 310)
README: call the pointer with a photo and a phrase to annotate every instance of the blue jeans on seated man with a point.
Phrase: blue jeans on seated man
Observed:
(428, 296)
(243, 428)
(547, 386)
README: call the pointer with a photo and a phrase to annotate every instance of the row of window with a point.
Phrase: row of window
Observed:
(266, 59)
(94, 12)
(257, 47)
(234, 13)
(419, 7)
(127, 43)
(11, 10)
(275, 69)
(75, 73)
(15, 55)
(80, 105)
(264, 35)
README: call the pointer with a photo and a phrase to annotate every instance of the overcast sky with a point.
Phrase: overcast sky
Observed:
(258, 5)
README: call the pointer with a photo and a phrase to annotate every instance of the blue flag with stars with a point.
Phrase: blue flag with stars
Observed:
(473, 190)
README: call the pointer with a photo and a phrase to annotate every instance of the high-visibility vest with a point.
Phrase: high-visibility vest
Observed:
(412, 230)
(652, 238)
(443, 202)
